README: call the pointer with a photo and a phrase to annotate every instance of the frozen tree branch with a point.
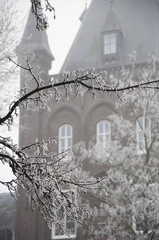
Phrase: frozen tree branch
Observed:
(41, 18)
(42, 173)
(128, 208)
(45, 177)
(81, 82)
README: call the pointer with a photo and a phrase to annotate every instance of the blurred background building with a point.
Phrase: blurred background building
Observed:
(110, 32)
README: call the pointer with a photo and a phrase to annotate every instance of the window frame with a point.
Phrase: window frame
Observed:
(156, 216)
(143, 133)
(65, 236)
(109, 43)
(67, 148)
(105, 142)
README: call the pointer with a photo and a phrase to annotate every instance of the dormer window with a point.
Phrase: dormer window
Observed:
(110, 43)
(111, 38)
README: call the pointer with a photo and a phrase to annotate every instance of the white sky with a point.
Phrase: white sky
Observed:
(64, 28)
(61, 34)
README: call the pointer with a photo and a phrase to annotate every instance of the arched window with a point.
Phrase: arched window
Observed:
(65, 140)
(143, 127)
(104, 136)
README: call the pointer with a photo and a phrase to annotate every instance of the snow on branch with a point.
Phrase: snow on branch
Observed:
(43, 173)
(78, 82)
(37, 10)
(45, 177)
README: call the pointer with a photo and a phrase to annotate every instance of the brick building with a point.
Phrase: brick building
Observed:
(108, 34)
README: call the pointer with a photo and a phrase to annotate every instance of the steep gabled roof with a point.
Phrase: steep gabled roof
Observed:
(139, 22)
(33, 39)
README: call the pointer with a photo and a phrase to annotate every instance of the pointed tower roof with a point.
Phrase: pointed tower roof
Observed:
(33, 39)
(83, 13)
(111, 22)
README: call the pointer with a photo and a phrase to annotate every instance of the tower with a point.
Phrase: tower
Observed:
(109, 33)
(35, 47)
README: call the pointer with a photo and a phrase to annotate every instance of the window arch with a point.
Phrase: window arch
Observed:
(143, 127)
(104, 136)
(65, 140)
